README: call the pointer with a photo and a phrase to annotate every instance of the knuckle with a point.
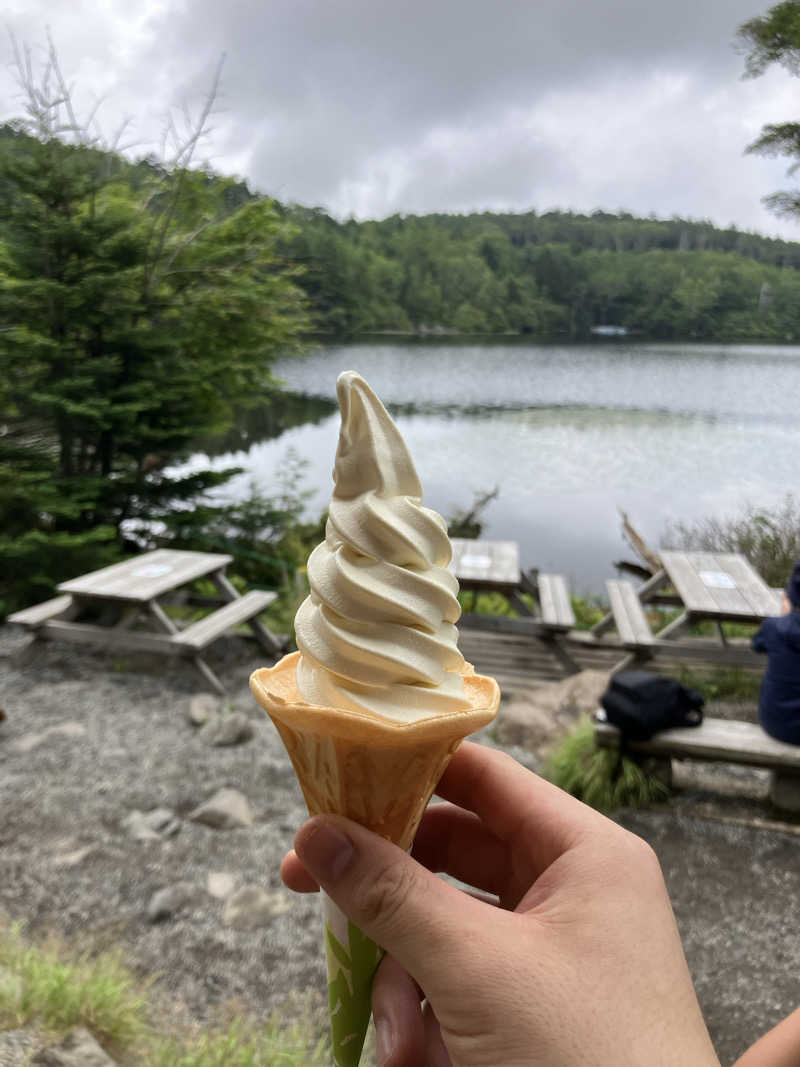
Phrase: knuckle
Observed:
(638, 856)
(384, 895)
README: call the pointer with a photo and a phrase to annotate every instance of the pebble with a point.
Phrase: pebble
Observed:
(226, 810)
(252, 907)
(28, 742)
(202, 707)
(220, 884)
(166, 902)
(78, 1049)
(233, 728)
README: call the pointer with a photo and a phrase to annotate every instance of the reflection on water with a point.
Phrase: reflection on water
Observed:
(568, 433)
(263, 423)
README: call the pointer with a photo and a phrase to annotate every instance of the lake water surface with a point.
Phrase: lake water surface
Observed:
(568, 433)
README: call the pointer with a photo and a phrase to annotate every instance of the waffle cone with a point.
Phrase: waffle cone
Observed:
(375, 771)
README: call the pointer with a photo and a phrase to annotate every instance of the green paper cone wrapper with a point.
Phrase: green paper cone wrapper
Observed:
(379, 773)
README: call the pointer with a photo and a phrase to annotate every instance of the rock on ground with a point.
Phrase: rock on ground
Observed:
(547, 712)
(17, 1046)
(77, 1049)
(227, 809)
(232, 728)
(252, 907)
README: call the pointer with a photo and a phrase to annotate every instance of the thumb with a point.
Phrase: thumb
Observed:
(425, 924)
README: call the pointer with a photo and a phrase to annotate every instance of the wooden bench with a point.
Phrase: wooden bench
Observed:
(554, 603)
(206, 630)
(30, 618)
(718, 740)
(629, 617)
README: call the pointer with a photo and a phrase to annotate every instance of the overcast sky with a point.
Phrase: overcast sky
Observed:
(368, 107)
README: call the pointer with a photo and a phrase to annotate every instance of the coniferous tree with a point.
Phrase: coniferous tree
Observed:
(139, 308)
(775, 38)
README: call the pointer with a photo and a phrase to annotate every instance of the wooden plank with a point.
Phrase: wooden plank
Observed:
(39, 613)
(711, 568)
(105, 637)
(758, 595)
(632, 625)
(145, 577)
(554, 601)
(500, 624)
(206, 630)
(485, 564)
(695, 595)
(715, 739)
(265, 637)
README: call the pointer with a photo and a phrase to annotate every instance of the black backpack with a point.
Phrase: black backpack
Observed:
(640, 704)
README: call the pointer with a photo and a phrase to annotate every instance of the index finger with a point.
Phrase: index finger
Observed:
(520, 808)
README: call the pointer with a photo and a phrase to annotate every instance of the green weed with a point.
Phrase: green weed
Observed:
(242, 1046)
(51, 989)
(45, 987)
(592, 774)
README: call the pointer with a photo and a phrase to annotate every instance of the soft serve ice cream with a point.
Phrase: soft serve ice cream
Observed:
(377, 632)
(378, 698)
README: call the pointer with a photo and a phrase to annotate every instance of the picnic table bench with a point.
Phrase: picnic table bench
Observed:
(717, 740)
(716, 587)
(121, 594)
(493, 566)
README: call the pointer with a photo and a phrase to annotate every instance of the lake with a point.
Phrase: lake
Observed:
(567, 433)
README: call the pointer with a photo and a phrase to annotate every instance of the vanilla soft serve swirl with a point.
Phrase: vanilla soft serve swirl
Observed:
(377, 632)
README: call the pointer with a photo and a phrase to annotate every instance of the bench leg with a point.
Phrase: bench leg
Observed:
(209, 675)
(561, 654)
(165, 622)
(265, 637)
(784, 791)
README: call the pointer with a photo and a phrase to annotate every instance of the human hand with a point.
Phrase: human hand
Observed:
(581, 962)
(786, 604)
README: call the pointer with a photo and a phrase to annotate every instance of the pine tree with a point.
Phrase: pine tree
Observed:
(140, 307)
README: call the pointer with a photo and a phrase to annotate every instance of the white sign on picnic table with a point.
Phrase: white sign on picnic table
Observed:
(475, 561)
(151, 570)
(717, 580)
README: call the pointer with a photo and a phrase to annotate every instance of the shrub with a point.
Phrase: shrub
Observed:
(770, 541)
(596, 776)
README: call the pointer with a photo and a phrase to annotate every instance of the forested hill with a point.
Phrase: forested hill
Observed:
(553, 275)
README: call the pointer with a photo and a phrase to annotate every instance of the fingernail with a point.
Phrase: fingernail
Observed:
(384, 1039)
(325, 850)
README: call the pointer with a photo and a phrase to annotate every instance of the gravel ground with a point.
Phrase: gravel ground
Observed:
(734, 883)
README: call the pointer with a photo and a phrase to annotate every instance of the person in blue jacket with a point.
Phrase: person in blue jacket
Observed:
(779, 699)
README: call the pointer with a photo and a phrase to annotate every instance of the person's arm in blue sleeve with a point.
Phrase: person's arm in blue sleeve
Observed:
(762, 639)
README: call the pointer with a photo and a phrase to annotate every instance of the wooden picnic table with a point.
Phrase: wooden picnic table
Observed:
(709, 586)
(494, 566)
(716, 586)
(489, 566)
(121, 594)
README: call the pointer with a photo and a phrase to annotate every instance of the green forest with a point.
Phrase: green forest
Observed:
(546, 276)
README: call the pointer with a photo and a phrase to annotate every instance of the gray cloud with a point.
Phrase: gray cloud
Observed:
(370, 108)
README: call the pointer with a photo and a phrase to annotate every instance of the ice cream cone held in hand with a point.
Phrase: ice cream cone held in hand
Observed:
(378, 697)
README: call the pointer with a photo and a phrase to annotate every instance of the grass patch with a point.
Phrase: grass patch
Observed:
(723, 683)
(242, 1046)
(50, 989)
(44, 987)
(592, 775)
